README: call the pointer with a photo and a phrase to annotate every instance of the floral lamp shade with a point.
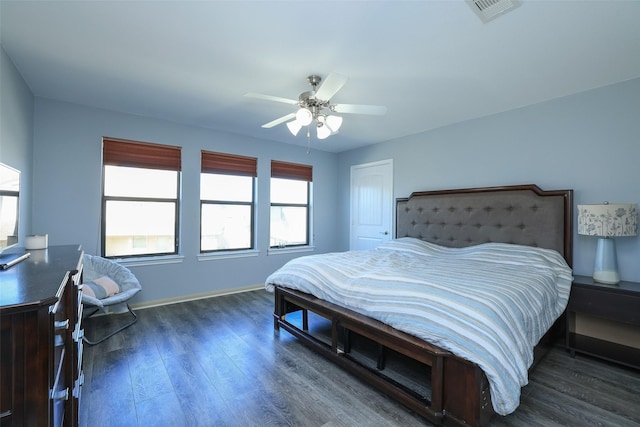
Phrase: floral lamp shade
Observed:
(605, 221)
(608, 220)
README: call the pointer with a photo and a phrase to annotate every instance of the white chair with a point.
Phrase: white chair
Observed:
(100, 274)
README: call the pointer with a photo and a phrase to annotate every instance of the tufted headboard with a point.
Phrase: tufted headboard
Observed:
(519, 214)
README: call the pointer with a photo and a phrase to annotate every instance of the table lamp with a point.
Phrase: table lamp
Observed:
(606, 221)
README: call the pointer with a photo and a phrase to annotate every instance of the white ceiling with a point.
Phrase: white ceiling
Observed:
(431, 63)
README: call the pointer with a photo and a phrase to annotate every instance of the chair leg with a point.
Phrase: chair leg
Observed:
(122, 328)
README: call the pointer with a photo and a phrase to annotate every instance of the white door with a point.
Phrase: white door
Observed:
(371, 204)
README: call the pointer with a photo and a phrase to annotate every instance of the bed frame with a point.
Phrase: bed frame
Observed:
(459, 389)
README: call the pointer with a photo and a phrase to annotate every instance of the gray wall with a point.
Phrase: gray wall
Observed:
(16, 133)
(589, 142)
(67, 193)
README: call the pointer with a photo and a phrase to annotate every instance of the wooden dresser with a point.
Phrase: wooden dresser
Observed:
(41, 339)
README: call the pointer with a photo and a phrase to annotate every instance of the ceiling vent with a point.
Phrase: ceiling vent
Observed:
(491, 9)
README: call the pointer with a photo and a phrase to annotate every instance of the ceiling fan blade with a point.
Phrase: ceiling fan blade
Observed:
(377, 110)
(330, 86)
(280, 120)
(271, 98)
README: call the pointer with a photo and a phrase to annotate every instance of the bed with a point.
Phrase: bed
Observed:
(494, 229)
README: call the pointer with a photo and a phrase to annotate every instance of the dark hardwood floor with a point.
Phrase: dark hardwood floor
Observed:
(218, 362)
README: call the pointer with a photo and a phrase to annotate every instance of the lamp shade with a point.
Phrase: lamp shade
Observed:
(334, 123)
(323, 131)
(294, 127)
(608, 220)
(304, 116)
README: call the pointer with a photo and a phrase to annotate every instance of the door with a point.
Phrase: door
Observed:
(371, 204)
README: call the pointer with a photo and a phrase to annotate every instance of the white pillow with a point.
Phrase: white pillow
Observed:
(102, 287)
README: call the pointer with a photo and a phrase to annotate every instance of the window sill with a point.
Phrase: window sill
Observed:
(291, 250)
(210, 256)
(152, 260)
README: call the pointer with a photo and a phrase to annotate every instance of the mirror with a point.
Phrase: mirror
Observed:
(9, 206)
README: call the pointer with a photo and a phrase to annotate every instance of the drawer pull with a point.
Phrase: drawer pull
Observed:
(61, 324)
(77, 388)
(58, 341)
(60, 395)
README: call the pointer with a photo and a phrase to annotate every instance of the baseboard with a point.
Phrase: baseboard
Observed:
(185, 298)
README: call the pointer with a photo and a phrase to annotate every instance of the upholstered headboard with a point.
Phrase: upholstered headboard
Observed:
(519, 214)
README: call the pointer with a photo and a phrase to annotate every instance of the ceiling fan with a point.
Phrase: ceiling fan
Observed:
(315, 105)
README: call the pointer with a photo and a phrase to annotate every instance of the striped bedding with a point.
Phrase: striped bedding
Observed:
(489, 303)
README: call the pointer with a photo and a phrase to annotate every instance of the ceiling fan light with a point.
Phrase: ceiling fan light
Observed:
(304, 116)
(294, 127)
(323, 132)
(334, 123)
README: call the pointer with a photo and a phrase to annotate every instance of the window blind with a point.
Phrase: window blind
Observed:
(291, 171)
(229, 164)
(122, 152)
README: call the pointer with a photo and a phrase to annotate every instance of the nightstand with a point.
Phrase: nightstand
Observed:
(618, 303)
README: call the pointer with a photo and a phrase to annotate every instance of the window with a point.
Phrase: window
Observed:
(290, 201)
(140, 206)
(227, 188)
